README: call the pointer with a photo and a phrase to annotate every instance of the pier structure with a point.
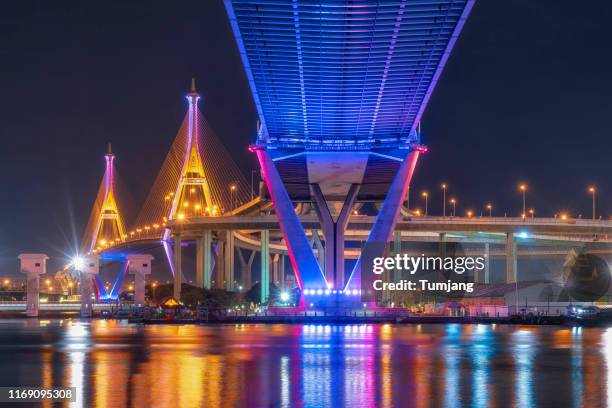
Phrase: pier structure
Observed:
(33, 265)
(88, 269)
(140, 266)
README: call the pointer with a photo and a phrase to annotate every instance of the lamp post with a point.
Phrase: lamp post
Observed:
(469, 213)
(444, 186)
(523, 189)
(233, 189)
(532, 213)
(454, 204)
(592, 190)
(489, 207)
(425, 195)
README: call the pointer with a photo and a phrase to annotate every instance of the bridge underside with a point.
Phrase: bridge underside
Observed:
(340, 88)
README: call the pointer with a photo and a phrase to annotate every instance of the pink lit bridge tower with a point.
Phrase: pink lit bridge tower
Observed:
(340, 88)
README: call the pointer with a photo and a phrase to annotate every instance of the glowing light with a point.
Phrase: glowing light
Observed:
(192, 190)
(103, 242)
(7, 281)
(78, 263)
(523, 234)
(564, 216)
(198, 206)
(284, 296)
(181, 216)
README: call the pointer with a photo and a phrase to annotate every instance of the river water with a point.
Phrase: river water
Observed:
(114, 364)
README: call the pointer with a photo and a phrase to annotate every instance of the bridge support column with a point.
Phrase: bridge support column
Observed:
(246, 268)
(207, 257)
(33, 265)
(511, 271)
(178, 267)
(199, 262)
(275, 269)
(90, 269)
(307, 270)
(282, 271)
(333, 231)
(265, 266)
(228, 263)
(389, 212)
(443, 245)
(220, 264)
(487, 270)
(140, 266)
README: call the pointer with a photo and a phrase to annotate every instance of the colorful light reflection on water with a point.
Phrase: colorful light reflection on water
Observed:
(113, 363)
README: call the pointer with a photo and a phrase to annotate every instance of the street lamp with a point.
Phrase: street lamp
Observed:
(469, 213)
(454, 204)
(523, 189)
(233, 189)
(425, 195)
(592, 190)
(532, 213)
(444, 186)
(154, 285)
(489, 207)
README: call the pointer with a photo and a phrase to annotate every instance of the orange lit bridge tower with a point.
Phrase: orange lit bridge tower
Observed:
(197, 179)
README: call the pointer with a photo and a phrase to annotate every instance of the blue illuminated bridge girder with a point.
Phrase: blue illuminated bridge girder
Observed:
(343, 75)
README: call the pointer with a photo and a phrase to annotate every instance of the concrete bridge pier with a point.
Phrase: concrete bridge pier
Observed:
(511, 271)
(265, 266)
(275, 269)
(282, 271)
(333, 232)
(90, 268)
(140, 266)
(33, 265)
(178, 267)
(228, 270)
(204, 260)
(246, 268)
(220, 263)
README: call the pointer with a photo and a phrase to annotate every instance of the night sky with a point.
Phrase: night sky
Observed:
(525, 96)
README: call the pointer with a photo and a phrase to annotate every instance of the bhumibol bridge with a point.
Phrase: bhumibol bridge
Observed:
(340, 88)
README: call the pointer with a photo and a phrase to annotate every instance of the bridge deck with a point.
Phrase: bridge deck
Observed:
(539, 226)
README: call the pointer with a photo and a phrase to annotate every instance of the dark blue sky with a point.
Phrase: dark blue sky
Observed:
(525, 97)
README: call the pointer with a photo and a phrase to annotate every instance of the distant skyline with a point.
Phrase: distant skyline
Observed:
(524, 98)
